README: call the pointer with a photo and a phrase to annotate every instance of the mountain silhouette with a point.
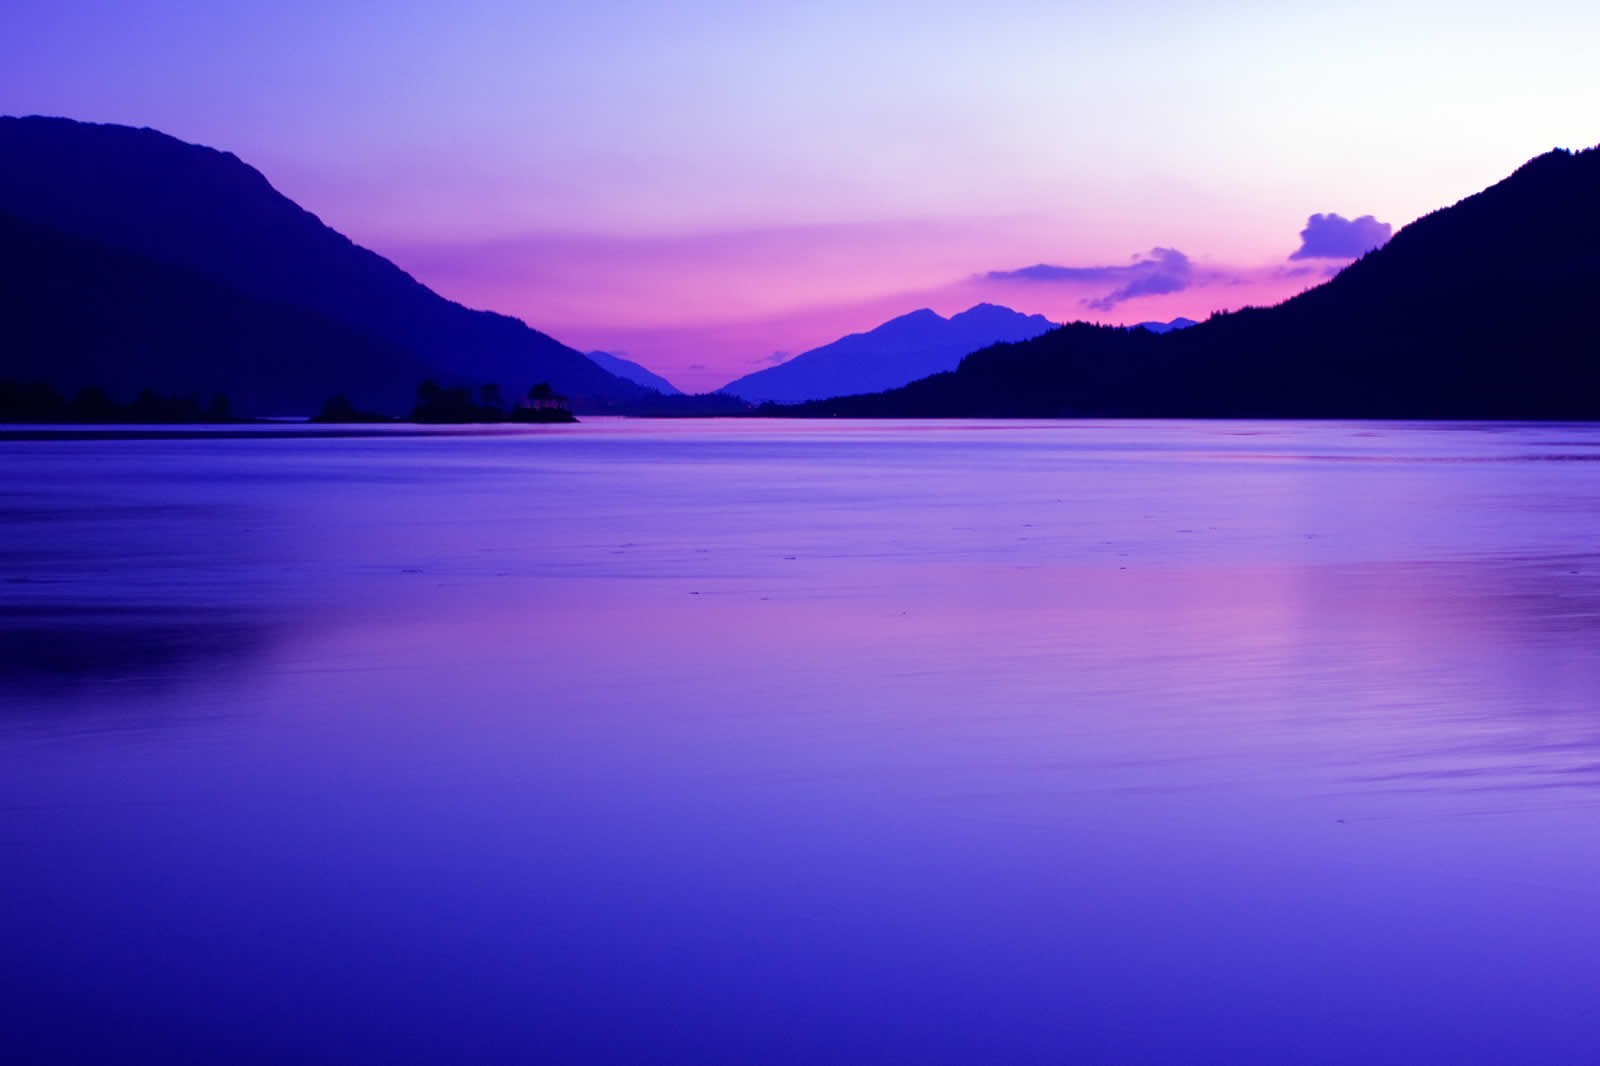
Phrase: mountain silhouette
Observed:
(1167, 327)
(80, 314)
(206, 213)
(628, 370)
(1483, 310)
(901, 350)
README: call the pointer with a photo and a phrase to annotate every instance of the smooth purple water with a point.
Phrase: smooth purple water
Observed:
(749, 742)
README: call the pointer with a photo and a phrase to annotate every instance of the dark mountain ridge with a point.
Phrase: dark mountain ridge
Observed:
(1482, 310)
(81, 314)
(206, 212)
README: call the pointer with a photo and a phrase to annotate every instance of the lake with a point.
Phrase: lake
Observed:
(770, 742)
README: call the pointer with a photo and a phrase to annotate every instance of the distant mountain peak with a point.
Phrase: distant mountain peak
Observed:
(905, 348)
(920, 315)
(1166, 327)
(989, 310)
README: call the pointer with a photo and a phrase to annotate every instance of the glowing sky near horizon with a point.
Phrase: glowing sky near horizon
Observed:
(704, 183)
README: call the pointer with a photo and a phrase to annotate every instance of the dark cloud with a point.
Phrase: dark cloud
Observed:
(1047, 272)
(1164, 270)
(1335, 237)
(771, 360)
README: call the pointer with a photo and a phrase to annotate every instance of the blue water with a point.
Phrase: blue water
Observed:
(749, 742)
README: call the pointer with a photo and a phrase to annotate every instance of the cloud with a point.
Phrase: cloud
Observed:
(1164, 270)
(770, 360)
(1332, 236)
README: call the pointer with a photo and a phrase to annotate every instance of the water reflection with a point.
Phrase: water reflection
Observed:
(733, 743)
(42, 647)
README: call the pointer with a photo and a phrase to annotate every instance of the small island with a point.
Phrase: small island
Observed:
(437, 405)
(441, 406)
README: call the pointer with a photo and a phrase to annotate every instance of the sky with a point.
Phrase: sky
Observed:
(707, 186)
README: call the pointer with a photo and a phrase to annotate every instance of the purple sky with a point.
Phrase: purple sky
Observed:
(700, 185)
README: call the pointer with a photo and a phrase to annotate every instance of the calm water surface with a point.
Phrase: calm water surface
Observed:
(771, 743)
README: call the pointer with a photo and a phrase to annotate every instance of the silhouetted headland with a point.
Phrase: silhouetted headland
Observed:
(1483, 310)
(130, 259)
